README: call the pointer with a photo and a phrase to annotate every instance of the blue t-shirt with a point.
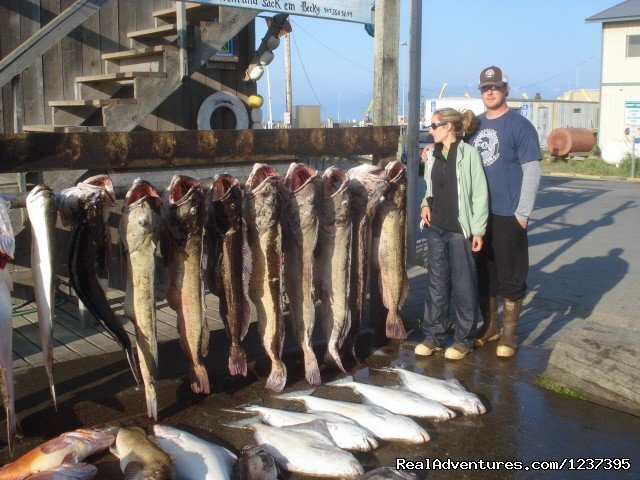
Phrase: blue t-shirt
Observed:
(505, 144)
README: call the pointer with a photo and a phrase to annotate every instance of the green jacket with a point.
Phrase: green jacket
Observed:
(473, 194)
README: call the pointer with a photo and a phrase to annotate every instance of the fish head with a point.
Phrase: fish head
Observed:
(183, 203)
(265, 190)
(299, 176)
(7, 240)
(140, 214)
(105, 184)
(255, 463)
(335, 207)
(396, 175)
(93, 440)
(224, 204)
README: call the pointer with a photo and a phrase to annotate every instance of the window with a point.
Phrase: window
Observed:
(633, 46)
(577, 110)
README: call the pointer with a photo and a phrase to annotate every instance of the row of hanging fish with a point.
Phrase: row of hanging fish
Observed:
(309, 219)
(317, 442)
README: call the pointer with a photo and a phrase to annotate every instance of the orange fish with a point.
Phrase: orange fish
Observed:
(70, 447)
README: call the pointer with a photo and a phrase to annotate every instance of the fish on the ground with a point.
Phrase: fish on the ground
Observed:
(138, 231)
(379, 421)
(263, 213)
(368, 185)
(306, 449)
(89, 243)
(41, 208)
(448, 392)
(193, 457)
(333, 261)
(7, 250)
(298, 243)
(255, 463)
(181, 246)
(386, 473)
(68, 471)
(398, 401)
(389, 248)
(344, 431)
(229, 263)
(140, 456)
(70, 447)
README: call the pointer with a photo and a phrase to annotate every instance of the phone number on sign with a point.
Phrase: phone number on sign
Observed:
(568, 463)
(338, 13)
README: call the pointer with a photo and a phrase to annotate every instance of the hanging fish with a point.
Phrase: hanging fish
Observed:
(263, 211)
(390, 233)
(298, 243)
(7, 249)
(41, 208)
(229, 263)
(333, 261)
(86, 256)
(181, 246)
(139, 225)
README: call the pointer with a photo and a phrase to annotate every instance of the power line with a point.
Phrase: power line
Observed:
(330, 49)
(305, 74)
(558, 75)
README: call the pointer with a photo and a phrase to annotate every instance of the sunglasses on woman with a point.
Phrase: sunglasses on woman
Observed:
(433, 126)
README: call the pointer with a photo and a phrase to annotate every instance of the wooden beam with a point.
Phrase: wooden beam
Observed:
(37, 152)
(58, 28)
(386, 51)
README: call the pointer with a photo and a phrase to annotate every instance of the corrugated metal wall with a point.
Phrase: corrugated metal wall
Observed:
(52, 77)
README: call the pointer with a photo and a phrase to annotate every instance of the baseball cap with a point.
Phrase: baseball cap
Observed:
(493, 76)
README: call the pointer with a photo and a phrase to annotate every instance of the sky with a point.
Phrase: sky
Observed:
(543, 45)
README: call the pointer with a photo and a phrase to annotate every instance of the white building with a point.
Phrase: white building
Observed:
(620, 75)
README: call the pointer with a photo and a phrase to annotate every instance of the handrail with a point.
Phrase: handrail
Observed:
(23, 56)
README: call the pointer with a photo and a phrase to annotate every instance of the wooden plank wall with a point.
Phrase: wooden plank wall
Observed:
(52, 76)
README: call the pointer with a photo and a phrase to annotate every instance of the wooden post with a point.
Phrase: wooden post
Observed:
(181, 25)
(385, 58)
(288, 120)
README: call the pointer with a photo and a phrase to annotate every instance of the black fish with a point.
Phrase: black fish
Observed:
(89, 242)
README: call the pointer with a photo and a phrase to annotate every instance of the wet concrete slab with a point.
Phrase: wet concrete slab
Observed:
(523, 422)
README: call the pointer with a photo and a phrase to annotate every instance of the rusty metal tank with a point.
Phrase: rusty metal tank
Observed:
(562, 141)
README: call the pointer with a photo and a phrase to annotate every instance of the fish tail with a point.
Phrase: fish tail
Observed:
(133, 365)
(278, 376)
(52, 388)
(346, 381)
(237, 361)
(395, 327)
(311, 370)
(199, 379)
(152, 401)
(11, 427)
(332, 359)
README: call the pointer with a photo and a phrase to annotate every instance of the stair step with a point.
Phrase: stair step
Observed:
(194, 8)
(119, 76)
(139, 52)
(63, 128)
(93, 103)
(162, 31)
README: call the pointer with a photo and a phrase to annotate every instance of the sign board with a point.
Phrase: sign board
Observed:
(358, 11)
(525, 110)
(632, 113)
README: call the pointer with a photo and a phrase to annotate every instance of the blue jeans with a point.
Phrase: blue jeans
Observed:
(452, 276)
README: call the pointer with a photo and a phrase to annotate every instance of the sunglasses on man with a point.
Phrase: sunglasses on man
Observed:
(490, 88)
(433, 126)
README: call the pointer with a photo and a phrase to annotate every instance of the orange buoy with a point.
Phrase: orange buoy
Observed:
(562, 141)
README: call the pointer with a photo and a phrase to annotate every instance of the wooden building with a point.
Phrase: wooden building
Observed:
(120, 68)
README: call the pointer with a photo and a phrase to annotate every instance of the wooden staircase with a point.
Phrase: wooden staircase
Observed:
(137, 81)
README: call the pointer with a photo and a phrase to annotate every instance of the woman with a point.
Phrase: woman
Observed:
(455, 210)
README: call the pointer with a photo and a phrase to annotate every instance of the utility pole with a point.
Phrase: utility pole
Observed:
(413, 126)
(287, 78)
(385, 70)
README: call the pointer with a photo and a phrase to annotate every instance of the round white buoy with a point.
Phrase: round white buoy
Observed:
(613, 151)
(222, 100)
(266, 58)
(255, 72)
(273, 42)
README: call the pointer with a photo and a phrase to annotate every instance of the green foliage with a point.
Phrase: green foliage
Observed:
(544, 382)
(589, 166)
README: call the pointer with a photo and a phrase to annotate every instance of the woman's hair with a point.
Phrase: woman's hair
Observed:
(464, 122)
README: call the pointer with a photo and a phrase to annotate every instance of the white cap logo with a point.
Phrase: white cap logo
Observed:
(489, 73)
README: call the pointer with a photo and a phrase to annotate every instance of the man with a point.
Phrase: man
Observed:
(510, 151)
